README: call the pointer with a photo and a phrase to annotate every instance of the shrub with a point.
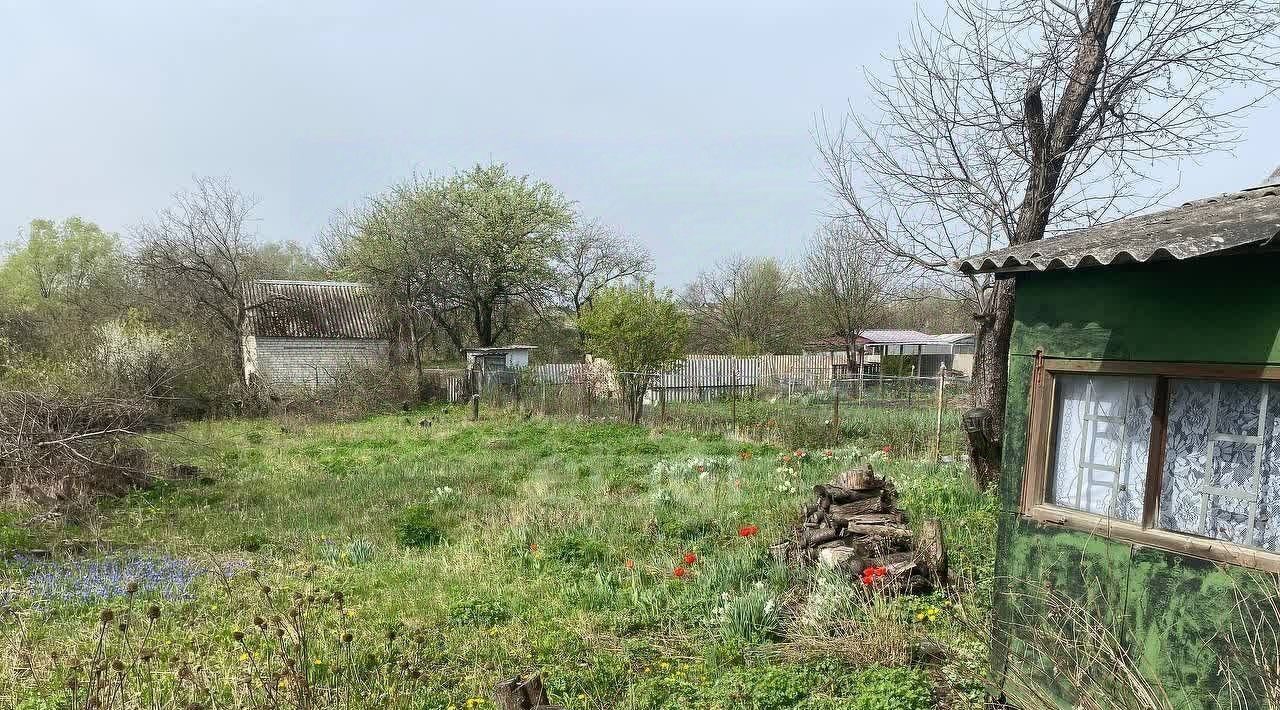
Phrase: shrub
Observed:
(421, 525)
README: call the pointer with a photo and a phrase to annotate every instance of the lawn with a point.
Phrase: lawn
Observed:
(383, 563)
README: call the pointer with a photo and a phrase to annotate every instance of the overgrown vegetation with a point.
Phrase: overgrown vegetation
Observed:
(412, 566)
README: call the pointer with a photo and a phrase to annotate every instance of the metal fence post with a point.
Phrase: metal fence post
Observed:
(662, 407)
(937, 428)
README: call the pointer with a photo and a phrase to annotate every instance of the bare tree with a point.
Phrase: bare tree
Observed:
(849, 284)
(393, 241)
(594, 257)
(1002, 122)
(202, 251)
(744, 306)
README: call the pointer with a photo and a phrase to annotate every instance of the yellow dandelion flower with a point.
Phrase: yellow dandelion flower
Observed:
(244, 656)
(284, 683)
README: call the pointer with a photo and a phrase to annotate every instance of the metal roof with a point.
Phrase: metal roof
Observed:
(315, 309)
(898, 337)
(954, 337)
(1236, 220)
(499, 348)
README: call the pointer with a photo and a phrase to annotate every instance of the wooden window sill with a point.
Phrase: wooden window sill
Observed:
(1120, 531)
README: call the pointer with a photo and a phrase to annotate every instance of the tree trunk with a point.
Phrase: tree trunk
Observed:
(415, 354)
(237, 348)
(990, 383)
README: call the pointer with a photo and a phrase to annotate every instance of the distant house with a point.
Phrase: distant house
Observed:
(305, 333)
(924, 353)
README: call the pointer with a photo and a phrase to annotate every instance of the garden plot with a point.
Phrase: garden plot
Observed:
(384, 564)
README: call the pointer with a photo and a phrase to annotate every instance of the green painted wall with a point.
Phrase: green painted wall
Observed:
(1183, 618)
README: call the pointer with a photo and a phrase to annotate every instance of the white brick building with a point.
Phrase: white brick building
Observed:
(305, 333)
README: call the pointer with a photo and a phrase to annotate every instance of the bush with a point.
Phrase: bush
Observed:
(420, 525)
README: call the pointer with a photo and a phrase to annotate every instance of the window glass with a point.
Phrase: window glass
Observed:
(1222, 462)
(1101, 444)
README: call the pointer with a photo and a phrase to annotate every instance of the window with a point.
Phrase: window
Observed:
(1100, 447)
(1185, 457)
(1222, 466)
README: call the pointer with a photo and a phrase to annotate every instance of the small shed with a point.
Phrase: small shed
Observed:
(306, 333)
(499, 364)
(1140, 486)
(504, 357)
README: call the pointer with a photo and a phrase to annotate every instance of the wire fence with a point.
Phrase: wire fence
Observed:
(919, 415)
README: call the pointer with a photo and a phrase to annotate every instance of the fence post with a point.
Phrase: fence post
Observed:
(733, 402)
(662, 407)
(542, 384)
(475, 407)
(835, 416)
(937, 427)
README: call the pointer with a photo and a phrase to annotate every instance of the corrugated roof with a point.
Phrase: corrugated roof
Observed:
(954, 337)
(889, 337)
(315, 309)
(898, 337)
(1233, 221)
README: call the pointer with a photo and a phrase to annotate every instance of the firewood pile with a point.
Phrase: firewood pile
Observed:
(855, 527)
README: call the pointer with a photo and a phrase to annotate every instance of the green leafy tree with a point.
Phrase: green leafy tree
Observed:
(503, 234)
(641, 331)
(59, 280)
(469, 256)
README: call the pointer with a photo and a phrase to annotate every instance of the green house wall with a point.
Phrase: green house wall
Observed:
(1180, 617)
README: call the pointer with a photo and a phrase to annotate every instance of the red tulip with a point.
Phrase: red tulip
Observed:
(679, 572)
(748, 530)
(690, 558)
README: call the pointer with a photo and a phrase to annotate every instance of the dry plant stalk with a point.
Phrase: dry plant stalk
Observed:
(1086, 656)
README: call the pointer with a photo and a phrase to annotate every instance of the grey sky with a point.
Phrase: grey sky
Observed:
(686, 123)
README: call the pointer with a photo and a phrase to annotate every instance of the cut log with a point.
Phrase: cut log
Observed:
(841, 494)
(818, 536)
(896, 532)
(866, 505)
(893, 518)
(836, 557)
(860, 479)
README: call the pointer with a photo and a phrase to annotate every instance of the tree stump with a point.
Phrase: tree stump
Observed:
(522, 694)
(933, 550)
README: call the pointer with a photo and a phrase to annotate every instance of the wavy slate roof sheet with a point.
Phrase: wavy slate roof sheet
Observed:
(1231, 221)
(315, 309)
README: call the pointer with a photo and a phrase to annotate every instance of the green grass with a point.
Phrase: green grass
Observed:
(510, 545)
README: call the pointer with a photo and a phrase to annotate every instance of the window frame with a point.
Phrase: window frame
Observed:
(1033, 504)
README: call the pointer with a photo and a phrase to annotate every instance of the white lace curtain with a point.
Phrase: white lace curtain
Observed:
(1221, 475)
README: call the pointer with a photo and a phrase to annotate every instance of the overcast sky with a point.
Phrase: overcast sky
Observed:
(687, 123)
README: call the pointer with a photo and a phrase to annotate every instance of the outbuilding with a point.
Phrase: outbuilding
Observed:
(1139, 534)
(307, 333)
